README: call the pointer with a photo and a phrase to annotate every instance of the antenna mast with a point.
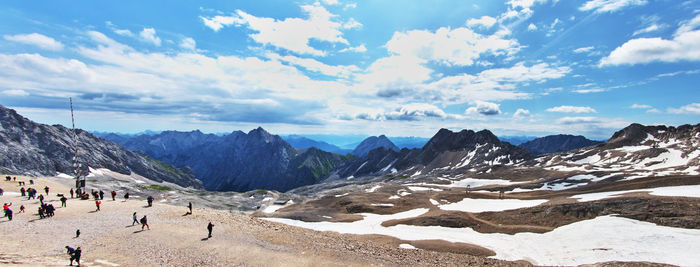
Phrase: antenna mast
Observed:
(76, 166)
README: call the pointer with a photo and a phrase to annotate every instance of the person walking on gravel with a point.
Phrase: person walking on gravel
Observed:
(150, 201)
(126, 196)
(135, 220)
(190, 207)
(46, 189)
(97, 203)
(114, 194)
(63, 201)
(71, 193)
(144, 222)
(76, 255)
(210, 227)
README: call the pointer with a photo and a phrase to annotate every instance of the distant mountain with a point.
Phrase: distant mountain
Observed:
(301, 142)
(409, 141)
(238, 161)
(557, 143)
(373, 142)
(446, 151)
(517, 140)
(31, 148)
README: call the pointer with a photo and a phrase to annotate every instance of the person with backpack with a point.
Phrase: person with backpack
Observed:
(144, 222)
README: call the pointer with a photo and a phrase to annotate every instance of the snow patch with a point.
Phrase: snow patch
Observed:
(482, 205)
(407, 246)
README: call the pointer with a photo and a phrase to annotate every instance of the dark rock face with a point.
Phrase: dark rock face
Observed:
(373, 142)
(446, 150)
(31, 148)
(557, 143)
(239, 161)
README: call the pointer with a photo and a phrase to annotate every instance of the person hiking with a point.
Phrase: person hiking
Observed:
(23, 191)
(126, 196)
(77, 233)
(144, 222)
(190, 207)
(102, 195)
(63, 201)
(8, 213)
(41, 199)
(76, 255)
(149, 199)
(114, 194)
(46, 189)
(5, 207)
(97, 204)
(135, 220)
(210, 227)
(21, 209)
(71, 193)
(71, 252)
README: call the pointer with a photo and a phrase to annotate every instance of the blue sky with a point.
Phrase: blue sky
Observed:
(401, 68)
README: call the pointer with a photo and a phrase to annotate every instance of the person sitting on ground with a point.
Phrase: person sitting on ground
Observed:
(126, 196)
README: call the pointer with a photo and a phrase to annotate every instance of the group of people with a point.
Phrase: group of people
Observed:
(46, 210)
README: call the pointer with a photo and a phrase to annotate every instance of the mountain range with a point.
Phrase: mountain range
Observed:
(31, 148)
(557, 143)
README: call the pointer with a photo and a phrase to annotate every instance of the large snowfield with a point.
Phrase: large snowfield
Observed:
(605, 238)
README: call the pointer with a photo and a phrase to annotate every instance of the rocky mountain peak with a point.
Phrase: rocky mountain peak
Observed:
(373, 142)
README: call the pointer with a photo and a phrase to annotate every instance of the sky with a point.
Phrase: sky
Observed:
(400, 68)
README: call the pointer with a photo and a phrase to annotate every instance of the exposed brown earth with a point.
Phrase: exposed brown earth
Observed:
(108, 238)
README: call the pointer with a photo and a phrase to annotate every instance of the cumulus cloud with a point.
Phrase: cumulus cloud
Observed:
(407, 112)
(602, 6)
(685, 46)
(521, 113)
(36, 39)
(693, 108)
(484, 21)
(571, 109)
(531, 27)
(484, 108)
(188, 44)
(459, 46)
(352, 24)
(149, 35)
(292, 34)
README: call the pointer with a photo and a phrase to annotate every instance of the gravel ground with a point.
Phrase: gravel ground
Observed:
(108, 239)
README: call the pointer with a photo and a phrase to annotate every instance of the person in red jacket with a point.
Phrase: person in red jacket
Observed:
(97, 203)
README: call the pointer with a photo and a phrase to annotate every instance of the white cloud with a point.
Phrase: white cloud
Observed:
(124, 32)
(524, 3)
(520, 73)
(331, 2)
(393, 72)
(653, 110)
(531, 27)
(292, 34)
(317, 66)
(149, 35)
(188, 43)
(349, 5)
(601, 6)
(352, 24)
(484, 108)
(693, 108)
(357, 49)
(572, 109)
(583, 49)
(638, 106)
(459, 46)
(407, 112)
(521, 113)
(578, 120)
(685, 46)
(217, 22)
(15, 92)
(588, 91)
(650, 28)
(36, 39)
(484, 21)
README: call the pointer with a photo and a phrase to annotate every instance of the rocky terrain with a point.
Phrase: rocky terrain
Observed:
(31, 148)
(557, 143)
(238, 161)
(373, 142)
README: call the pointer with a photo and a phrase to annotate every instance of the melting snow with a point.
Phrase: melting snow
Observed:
(65, 176)
(383, 205)
(482, 205)
(418, 188)
(434, 202)
(407, 246)
(671, 191)
(374, 188)
(605, 238)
